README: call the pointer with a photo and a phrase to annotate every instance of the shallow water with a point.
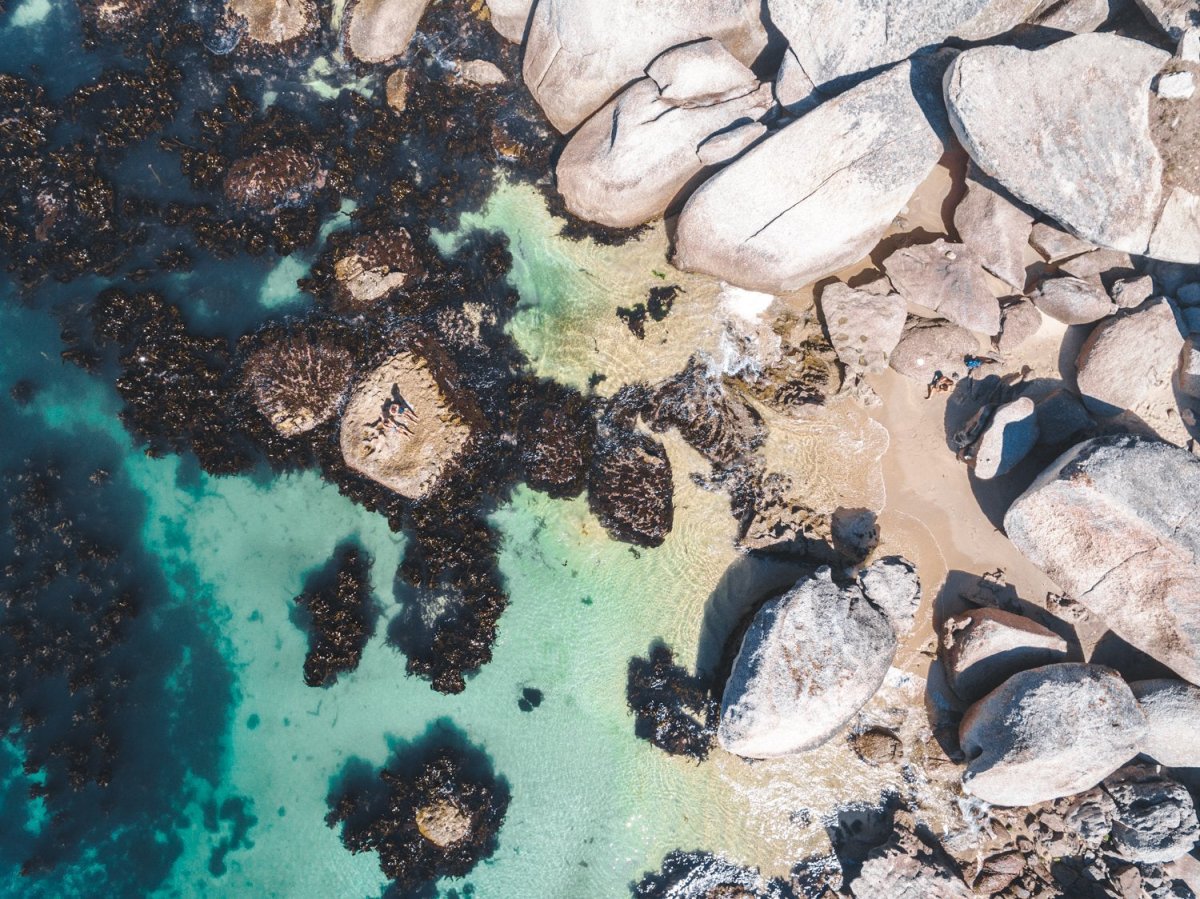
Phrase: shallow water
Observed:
(242, 811)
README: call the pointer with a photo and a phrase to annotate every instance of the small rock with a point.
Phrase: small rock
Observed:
(892, 586)
(1172, 709)
(1061, 416)
(1126, 360)
(928, 348)
(1129, 293)
(396, 90)
(1188, 49)
(998, 871)
(1075, 16)
(481, 73)
(1019, 321)
(1010, 435)
(443, 823)
(702, 73)
(877, 746)
(983, 648)
(510, 18)
(1073, 301)
(863, 327)
(1189, 369)
(809, 661)
(1049, 732)
(948, 279)
(728, 145)
(1154, 820)
(1105, 264)
(1056, 245)
(1176, 86)
(1174, 17)
(994, 228)
(794, 90)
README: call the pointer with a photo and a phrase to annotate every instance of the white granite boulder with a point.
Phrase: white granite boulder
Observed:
(630, 161)
(1172, 709)
(1073, 301)
(948, 279)
(579, 53)
(983, 648)
(834, 39)
(1126, 361)
(1173, 16)
(1066, 129)
(1049, 732)
(1114, 518)
(794, 90)
(809, 661)
(380, 30)
(1010, 435)
(864, 327)
(1019, 321)
(818, 195)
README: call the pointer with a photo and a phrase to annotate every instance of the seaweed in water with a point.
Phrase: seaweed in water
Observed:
(341, 616)
(434, 811)
(674, 710)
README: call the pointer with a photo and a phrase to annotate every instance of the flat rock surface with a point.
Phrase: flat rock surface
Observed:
(983, 648)
(863, 327)
(398, 430)
(1019, 321)
(1113, 518)
(381, 30)
(817, 195)
(949, 279)
(930, 347)
(579, 53)
(1066, 129)
(994, 228)
(1049, 732)
(810, 660)
(1073, 301)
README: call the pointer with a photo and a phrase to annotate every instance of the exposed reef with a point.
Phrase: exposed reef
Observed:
(341, 616)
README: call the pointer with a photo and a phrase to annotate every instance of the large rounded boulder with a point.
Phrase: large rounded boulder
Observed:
(1049, 732)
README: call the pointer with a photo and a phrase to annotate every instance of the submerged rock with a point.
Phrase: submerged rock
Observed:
(628, 163)
(373, 266)
(113, 16)
(714, 420)
(834, 39)
(818, 195)
(1049, 732)
(630, 488)
(398, 428)
(380, 30)
(1066, 129)
(1126, 361)
(1172, 710)
(1114, 518)
(983, 648)
(341, 617)
(863, 327)
(947, 278)
(274, 179)
(298, 381)
(1073, 301)
(579, 53)
(810, 660)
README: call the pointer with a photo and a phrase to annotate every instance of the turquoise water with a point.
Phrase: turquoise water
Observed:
(238, 810)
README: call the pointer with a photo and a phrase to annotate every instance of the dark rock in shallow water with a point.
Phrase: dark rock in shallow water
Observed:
(531, 698)
(702, 875)
(373, 266)
(674, 710)
(715, 422)
(557, 435)
(434, 811)
(274, 179)
(629, 484)
(341, 617)
(298, 381)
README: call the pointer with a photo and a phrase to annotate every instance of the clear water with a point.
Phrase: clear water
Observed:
(592, 807)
